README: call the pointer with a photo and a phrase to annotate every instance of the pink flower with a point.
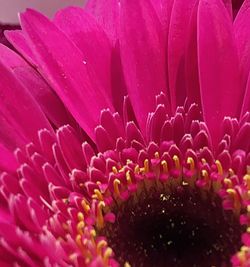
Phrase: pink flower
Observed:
(124, 136)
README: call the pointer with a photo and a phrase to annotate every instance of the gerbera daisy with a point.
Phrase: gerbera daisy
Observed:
(125, 136)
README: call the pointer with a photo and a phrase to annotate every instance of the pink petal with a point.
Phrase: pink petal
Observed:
(7, 159)
(18, 40)
(107, 14)
(218, 65)
(20, 114)
(49, 102)
(242, 36)
(191, 61)
(143, 56)
(64, 67)
(163, 9)
(83, 30)
(229, 6)
(177, 41)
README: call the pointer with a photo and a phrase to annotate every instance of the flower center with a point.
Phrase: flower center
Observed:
(183, 226)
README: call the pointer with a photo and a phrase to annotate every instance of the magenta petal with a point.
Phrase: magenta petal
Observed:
(218, 65)
(18, 40)
(25, 120)
(191, 61)
(39, 89)
(65, 68)
(7, 159)
(163, 9)
(229, 6)
(107, 14)
(242, 36)
(84, 31)
(143, 56)
(177, 41)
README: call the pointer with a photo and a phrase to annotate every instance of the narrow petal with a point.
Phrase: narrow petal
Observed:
(84, 31)
(65, 68)
(242, 36)
(18, 111)
(7, 159)
(143, 56)
(191, 62)
(107, 14)
(218, 65)
(177, 41)
(18, 40)
(39, 89)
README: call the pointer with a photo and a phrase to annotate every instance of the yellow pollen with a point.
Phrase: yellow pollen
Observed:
(80, 216)
(203, 161)
(114, 170)
(137, 169)
(107, 255)
(99, 216)
(128, 177)
(248, 208)
(126, 264)
(79, 240)
(204, 174)
(190, 161)
(93, 233)
(177, 162)
(101, 244)
(231, 172)
(233, 194)
(129, 161)
(248, 230)
(219, 167)
(157, 155)
(80, 227)
(247, 180)
(164, 166)
(228, 183)
(116, 184)
(146, 166)
(85, 206)
(97, 195)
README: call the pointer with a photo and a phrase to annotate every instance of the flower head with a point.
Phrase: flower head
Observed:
(129, 122)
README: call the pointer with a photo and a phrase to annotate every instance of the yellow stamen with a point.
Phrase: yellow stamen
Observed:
(80, 216)
(219, 167)
(205, 175)
(99, 216)
(246, 178)
(101, 244)
(116, 184)
(146, 166)
(233, 194)
(114, 170)
(80, 227)
(228, 183)
(107, 254)
(157, 155)
(97, 195)
(128, 178)
(203, 161)
(126, 264)
(79, 240)
(137, 169)
(190, 161)
(164, 166)
(85, 206)
(177, 162)
(231, 172)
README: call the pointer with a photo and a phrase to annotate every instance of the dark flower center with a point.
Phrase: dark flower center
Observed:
(184, 227)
